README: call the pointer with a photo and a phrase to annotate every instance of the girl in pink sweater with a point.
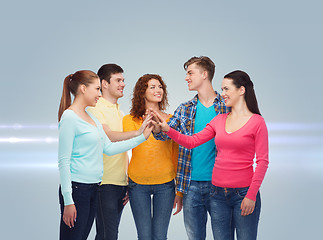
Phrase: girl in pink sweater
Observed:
(239, 136)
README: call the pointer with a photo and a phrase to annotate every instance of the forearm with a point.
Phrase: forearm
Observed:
(116, 136)
(65, 179)
(112, 148)
(190, 141)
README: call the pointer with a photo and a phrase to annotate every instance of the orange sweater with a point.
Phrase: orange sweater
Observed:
(153, 161)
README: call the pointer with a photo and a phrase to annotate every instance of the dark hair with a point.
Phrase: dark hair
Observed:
(239, 79)
(138, 107)
(107, 70)
(205, 63)
(71, 85)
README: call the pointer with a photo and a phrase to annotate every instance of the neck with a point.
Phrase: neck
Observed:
(206, 94)
(110, 98)
(152, 105)
(240, 109)
(79, 105)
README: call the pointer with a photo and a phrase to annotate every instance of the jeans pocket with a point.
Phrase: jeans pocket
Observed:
(213, 191)
(131, 184)
(242, 192)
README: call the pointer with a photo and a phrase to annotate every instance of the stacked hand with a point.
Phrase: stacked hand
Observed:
(147, 125)
(158, 122)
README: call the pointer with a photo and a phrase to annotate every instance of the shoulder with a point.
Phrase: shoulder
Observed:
(129, 118)
(186, 106)
(68, 115)
(191, 102)
(258, 118)
(259, 122)
(68, 120)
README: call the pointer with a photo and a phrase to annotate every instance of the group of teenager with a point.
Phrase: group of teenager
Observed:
(200, 159)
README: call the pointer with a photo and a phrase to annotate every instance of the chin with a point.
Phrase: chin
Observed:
(228, 105)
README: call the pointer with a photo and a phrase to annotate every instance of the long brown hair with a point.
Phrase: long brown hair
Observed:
(71, 85)
(138, 97)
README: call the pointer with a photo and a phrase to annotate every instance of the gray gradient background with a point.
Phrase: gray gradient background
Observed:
(279, 43)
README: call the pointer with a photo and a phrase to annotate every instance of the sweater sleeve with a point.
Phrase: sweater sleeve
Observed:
(65, 146)
(112, 148)
(261, 149)
(195, 140)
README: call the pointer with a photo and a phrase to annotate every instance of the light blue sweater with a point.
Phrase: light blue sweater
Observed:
(80, 151)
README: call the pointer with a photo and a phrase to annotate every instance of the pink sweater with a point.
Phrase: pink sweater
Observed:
(233, 167)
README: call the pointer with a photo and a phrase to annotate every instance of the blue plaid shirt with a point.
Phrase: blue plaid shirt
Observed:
(183, 121)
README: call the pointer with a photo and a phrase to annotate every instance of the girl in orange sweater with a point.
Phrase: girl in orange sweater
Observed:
(152, 168)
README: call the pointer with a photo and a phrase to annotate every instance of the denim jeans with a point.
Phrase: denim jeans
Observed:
(196, 205)
(110, 206)
(85, 201)
(226, 203)
(151, 206)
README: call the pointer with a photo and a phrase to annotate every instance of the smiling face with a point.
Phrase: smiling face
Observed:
(116, 85)
(231, 93)
(194, 77)
(92, 92)
(154, 92)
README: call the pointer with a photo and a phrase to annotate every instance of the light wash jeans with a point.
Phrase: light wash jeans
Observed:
(151, 206)
(196, 206)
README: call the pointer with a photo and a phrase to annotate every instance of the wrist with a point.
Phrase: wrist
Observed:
(166, 129)
(137, 133)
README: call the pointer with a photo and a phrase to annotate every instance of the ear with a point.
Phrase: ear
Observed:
(104, 83)
(242, 90)
(204, 74)
(83, 88)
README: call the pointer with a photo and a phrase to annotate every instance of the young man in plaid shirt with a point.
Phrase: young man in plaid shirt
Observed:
(194, 170)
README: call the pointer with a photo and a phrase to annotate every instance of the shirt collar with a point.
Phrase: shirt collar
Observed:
(217, 99)
(108, 104)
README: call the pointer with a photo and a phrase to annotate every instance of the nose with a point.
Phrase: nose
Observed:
(100, 94)
(122, 84)
(223, 93)
(186, 78)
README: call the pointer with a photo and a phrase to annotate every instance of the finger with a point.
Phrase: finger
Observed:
(243, 211)
(179, 208)
(74, 218)
(251, 211)
(66, 222)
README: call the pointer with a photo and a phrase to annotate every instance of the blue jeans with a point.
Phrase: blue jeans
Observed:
(151, 224)
(226, 203)
(85, 200)
(196, 205)
(110, 206)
